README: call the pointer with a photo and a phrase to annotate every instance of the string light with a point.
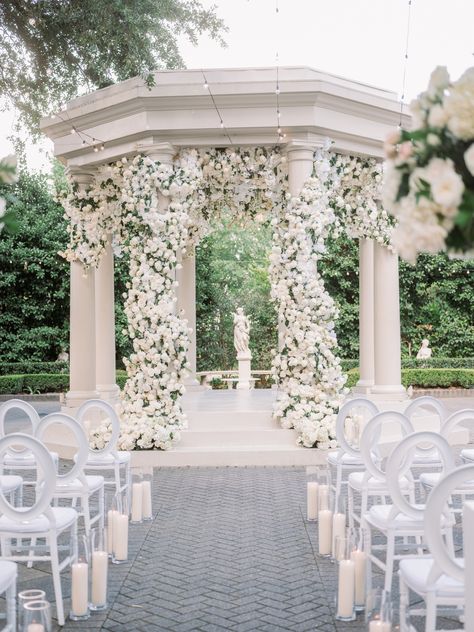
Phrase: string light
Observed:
(221, 120)
(277, 86)
(405, 65)
(95, 143)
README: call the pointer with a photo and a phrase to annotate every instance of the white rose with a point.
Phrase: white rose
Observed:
(439, 80)
(437, 116)
(448, 188)
(469, 159)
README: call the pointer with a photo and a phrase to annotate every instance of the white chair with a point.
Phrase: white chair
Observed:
(75, 485)
(108, 458)
(8, 575)
(41, 521)
(438, 579)
(430, 479)
(371, 483)
(17, 459)
(404, 519)
(427, 457)
(347, 458)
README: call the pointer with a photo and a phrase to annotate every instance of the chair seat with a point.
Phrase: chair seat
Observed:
(380, 516)
(358, 481)
(8, 573)
(9, 483)
(415, 574)
(467, 454)
(94, 483)
(338, 457)
(430, 479)
(22, 460)
(64, 516)
(427, 459)
(107, 460)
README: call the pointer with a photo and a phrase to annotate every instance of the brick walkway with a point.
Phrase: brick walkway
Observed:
(229, 549)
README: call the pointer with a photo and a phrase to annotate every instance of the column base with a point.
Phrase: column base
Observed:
(109, 393)
(74, 399)
(191, 384)
(363, 387)
(388, 392)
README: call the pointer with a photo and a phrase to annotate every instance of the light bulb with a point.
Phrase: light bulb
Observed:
(102, 147)
(96, 149)
(73, 131)
(206, 85)
(277, 91)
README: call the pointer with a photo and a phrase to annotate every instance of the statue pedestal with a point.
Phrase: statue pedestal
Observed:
(245, 373)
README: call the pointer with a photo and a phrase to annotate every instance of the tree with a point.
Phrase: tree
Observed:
(34, 284)
(52, 49)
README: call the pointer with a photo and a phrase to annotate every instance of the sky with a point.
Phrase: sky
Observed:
(364, 40)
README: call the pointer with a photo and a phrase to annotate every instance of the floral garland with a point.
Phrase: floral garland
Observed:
(203, 187)
(306, 369)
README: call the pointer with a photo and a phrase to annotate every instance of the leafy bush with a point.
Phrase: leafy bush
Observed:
(413, 363)
(19, 368)
(427, 378)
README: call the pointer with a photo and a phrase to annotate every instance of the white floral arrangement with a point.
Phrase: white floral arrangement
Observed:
(201, 188)
(307, 370)
(429, 174)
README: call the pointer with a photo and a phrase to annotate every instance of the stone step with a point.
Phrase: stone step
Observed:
(228, 439)
(231, 420)
(243, 456)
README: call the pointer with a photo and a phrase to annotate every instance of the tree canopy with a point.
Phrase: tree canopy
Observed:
(51, 50)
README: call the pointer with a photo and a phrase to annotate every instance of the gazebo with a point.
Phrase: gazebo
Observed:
(188, 109)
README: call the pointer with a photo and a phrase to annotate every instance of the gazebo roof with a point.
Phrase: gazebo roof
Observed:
(179, 110)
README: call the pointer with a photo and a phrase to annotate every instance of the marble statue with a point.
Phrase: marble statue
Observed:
(424, 352)
(241, 333)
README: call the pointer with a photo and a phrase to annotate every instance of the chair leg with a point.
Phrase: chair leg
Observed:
(31, 552)
(11, 606)
(86, 512)
(430, 621)
(118, 480)
(102, 506)
(389, 560)
(53, 544)
(338, 485)
(350, 505)
(404, 605)
(368, 532)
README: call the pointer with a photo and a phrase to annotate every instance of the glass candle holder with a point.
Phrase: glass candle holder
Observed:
(36, 616)
(24, 597)
(338, 521)
(136, 516)
(379, 611)
(99, 569)
(325, 524)
(345, 610)
(114, 510)
(120, 530)
(360, 555)
(312, 494)
(147, 486)
(80, 580)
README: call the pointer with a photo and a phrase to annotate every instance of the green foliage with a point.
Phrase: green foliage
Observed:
(40, 383)
(18, 368)
(34, 284)
(50, 50)
(427, 378)
(231, 272)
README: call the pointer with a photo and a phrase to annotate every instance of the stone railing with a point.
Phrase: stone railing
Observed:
(205, 377)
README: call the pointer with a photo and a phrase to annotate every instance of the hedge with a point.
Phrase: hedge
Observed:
(30, 367)
(413, 363)
(427, 378)
(59, 382)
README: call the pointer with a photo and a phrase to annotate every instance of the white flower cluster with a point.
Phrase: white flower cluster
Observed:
(429, 169)
(307, 371)
(354, 185)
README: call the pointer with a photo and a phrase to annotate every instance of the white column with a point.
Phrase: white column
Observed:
(105, 328)
(366, 317)
(82, 334)
(186, 294)
(387, 325)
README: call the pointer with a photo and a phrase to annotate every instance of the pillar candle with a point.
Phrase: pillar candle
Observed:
(110, 530)
(146, 500)
(35, 627)
(312, 500)
(121, 537)
(360, 562)
(80, 588)
(99, 578)
(345, 589)
(325, 531)
(380, 626)
(338, 529)
(323, 497)
(137, 496)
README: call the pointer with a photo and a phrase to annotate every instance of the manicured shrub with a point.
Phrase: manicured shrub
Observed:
(31, 367)
(427, 378)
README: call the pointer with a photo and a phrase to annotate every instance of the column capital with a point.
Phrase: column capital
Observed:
(161, 152)
(303, 148)
(83, 176)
